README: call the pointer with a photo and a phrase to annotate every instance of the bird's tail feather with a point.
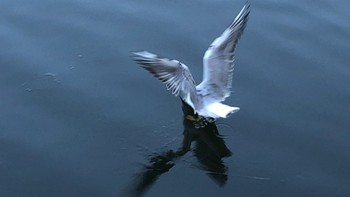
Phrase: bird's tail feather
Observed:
(221, 110)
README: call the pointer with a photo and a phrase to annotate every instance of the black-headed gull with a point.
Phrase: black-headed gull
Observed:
(218, 66)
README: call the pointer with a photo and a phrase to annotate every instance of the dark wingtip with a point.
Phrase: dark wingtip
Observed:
(135, 54)
(247, 8)
(141, 57)
(247, 3)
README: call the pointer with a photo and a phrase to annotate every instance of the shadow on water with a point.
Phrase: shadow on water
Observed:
(209, 150)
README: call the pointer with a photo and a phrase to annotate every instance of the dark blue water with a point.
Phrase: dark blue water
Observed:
(79, 118)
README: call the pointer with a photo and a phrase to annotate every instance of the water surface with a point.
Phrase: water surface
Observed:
(79, 118)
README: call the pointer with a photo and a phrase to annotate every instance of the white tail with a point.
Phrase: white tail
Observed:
(221, 110)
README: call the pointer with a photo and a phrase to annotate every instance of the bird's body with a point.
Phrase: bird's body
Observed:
(218, 64)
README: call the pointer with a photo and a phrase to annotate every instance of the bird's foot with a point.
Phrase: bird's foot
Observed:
(210, 119)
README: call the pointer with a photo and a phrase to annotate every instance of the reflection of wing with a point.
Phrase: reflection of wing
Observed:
(174, 74)
(218, 60)
(158, 165)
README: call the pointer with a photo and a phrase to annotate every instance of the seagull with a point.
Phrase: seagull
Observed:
(218, 65)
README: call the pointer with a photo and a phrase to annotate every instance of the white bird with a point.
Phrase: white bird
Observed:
(218, 66)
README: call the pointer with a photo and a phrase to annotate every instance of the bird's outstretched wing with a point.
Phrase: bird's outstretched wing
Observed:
(218, 61)
(175, 75)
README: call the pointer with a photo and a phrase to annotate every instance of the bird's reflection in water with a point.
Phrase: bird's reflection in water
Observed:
(209, 150)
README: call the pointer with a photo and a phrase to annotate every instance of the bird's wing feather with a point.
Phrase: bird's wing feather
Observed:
(218, 61)
(175, 75)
